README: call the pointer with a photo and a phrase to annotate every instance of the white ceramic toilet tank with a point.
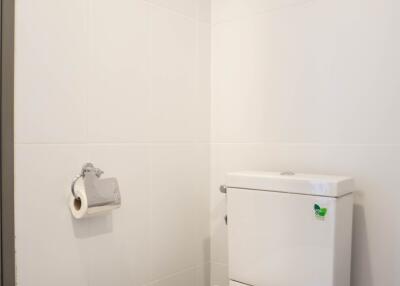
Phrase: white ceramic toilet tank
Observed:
(289, 230)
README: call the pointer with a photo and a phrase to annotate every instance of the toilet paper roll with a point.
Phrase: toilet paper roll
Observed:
(94, 196)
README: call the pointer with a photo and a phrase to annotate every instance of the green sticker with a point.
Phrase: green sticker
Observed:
(320, 212)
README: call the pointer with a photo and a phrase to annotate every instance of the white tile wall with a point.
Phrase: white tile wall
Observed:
(172, 80)
(310, 86)
(299, 57)
(179, 210)
(124, 84)
(119, 252)
(118, 98)
(303, 85)
(51, 71)
(50, 245)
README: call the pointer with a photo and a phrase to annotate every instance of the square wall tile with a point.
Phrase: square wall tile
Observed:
(177, 111)
(50, 244)
(51, 39)
(179, 208)
(122, 236)
(118, 99)
(238, 106)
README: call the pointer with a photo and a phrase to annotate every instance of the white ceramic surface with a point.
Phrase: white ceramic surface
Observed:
(126, 85)
(277, 238)
(289, 182)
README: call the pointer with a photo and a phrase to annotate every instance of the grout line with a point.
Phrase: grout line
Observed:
(309, 144)
(157, 143)
(173, 143)
(204, 143)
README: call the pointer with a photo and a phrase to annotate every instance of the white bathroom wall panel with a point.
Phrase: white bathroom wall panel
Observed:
(177, 216)
(298, 74)
(51, 71)
(310, 86)
(118, 93)
(296, 84)
(125, 85)
(50, 245)
(172, 82)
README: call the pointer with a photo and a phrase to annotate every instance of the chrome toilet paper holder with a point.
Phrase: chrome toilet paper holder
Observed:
(86, 169)
(92, 195)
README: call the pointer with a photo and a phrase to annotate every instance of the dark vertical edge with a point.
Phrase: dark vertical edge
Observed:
(7, 142)
(1, 157)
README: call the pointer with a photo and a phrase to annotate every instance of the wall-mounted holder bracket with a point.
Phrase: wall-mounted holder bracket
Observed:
(86, 169)
(222, 189)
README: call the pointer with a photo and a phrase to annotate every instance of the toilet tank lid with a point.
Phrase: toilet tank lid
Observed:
(308, 184)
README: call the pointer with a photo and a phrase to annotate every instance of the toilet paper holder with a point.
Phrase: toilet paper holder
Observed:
(86, 169)
(92, 195)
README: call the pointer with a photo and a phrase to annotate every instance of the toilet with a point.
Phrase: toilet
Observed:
(287, 229)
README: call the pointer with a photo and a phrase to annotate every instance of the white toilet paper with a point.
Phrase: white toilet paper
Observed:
(94, 196)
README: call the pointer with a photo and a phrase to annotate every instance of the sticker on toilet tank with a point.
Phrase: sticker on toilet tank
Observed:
(320, 211)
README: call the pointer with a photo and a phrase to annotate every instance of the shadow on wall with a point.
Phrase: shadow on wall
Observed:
(206, 270)
(219, 227)
(89, 227)
(361, 262)
(219, 269)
